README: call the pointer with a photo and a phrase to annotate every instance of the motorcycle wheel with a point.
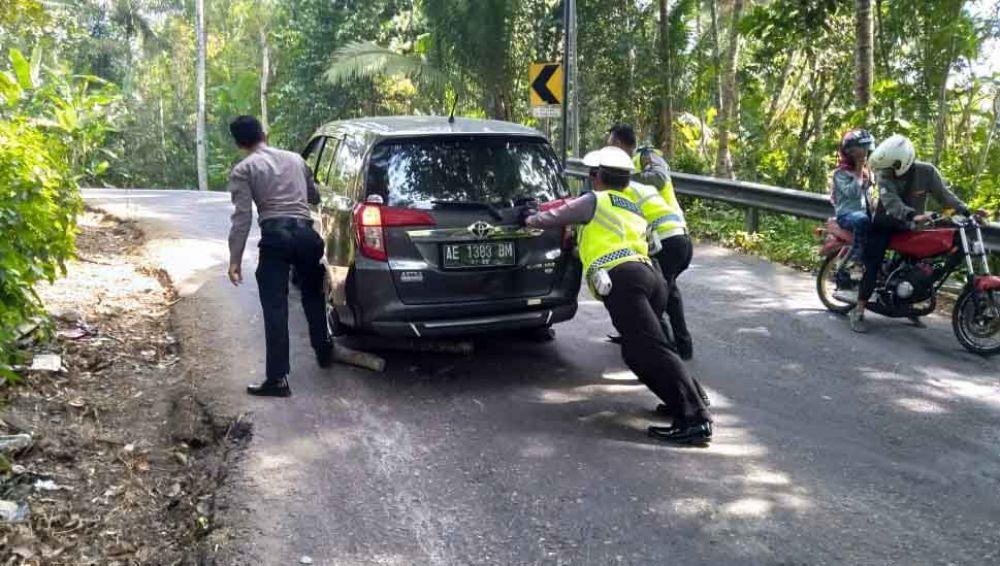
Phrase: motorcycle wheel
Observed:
(977, 331)
(826, 284)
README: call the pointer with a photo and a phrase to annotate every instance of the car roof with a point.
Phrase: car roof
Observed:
(414, 126)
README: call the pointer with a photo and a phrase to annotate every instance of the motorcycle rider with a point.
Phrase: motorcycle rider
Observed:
(903, 185)
(849, 193)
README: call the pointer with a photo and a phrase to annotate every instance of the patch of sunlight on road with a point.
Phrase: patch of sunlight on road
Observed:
(920, 405)
(190, 263)
(619, 375)
(880, 375)
(734, 449)
(598, 389)
(583, 392)
(766, 477)
(555, 397)
(989, 394)
(692, 506)
(748, 507)
(756, 331)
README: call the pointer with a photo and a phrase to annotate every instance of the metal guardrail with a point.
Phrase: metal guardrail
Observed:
(764, 197)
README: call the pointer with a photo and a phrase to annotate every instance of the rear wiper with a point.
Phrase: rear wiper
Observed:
(494, 212)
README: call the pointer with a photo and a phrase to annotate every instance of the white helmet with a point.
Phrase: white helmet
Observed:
(895, 153)
(609, 157)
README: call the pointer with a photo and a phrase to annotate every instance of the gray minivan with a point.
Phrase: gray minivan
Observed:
(420, 218)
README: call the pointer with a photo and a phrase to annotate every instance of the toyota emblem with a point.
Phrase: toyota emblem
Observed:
(481, 230)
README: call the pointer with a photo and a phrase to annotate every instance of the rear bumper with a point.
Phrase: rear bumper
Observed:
(374, 307)
(475, 324)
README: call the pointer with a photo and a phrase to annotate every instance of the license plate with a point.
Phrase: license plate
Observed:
(485, 254)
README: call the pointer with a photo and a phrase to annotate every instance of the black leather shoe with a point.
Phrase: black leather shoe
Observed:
(324, 356)
(685, 349)
(699, 434)
(271, 388)
(614, 339)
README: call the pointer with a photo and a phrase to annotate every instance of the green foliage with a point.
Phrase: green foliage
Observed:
(781, 238)
(52, 129)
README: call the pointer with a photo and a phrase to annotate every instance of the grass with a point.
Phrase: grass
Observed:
(781, 238)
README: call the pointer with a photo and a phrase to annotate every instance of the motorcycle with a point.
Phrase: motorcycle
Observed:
(911, 277)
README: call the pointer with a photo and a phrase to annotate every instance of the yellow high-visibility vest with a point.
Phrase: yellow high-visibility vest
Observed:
(665, 216)
(615, 235)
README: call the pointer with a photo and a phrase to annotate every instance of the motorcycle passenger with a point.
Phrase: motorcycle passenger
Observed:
(849, 193)
(904, 184)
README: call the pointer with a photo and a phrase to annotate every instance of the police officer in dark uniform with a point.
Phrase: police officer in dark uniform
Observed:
(281, 185)
(613, 245)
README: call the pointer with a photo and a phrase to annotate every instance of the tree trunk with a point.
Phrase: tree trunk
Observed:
(864, 56)
(202, 162)
(942, 107)
(265, 73)
(716, 56)
(668, 82)
(727, 113)
(994, 126)
(163, 135)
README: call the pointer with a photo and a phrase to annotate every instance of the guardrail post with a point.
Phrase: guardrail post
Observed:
(751, 223)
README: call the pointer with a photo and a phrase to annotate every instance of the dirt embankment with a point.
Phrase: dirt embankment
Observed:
(124, 459)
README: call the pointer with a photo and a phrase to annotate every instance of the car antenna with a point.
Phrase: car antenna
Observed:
(454, 105)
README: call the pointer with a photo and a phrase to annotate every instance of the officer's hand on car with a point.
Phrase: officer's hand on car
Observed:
(529, 207)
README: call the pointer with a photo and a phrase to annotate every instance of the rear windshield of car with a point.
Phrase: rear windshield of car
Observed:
(497, 171)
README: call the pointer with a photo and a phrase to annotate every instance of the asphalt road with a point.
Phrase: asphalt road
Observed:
(830, 447)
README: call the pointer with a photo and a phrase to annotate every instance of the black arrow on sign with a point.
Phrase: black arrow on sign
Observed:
(540, 84)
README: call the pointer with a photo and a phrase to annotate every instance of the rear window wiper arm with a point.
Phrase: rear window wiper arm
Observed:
(494, 212)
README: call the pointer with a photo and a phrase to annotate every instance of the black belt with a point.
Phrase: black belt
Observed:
(285, 223)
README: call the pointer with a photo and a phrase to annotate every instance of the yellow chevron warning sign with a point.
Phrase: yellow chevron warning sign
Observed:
(546, 81)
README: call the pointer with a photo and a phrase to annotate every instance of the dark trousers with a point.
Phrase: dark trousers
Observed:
(285, 243)
(873, 253)
(674, 259)
(637, 299)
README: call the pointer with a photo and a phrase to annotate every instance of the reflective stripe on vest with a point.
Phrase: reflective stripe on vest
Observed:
(662, 217)
(616, 234)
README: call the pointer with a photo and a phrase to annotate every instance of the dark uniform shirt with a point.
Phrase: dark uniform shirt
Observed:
(281, 185)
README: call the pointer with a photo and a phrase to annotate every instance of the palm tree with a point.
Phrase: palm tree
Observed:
(367, 60)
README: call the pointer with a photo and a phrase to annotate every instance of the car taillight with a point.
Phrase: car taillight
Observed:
(370, 221)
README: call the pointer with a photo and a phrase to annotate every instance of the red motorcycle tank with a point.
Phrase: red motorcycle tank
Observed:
(923, 243)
